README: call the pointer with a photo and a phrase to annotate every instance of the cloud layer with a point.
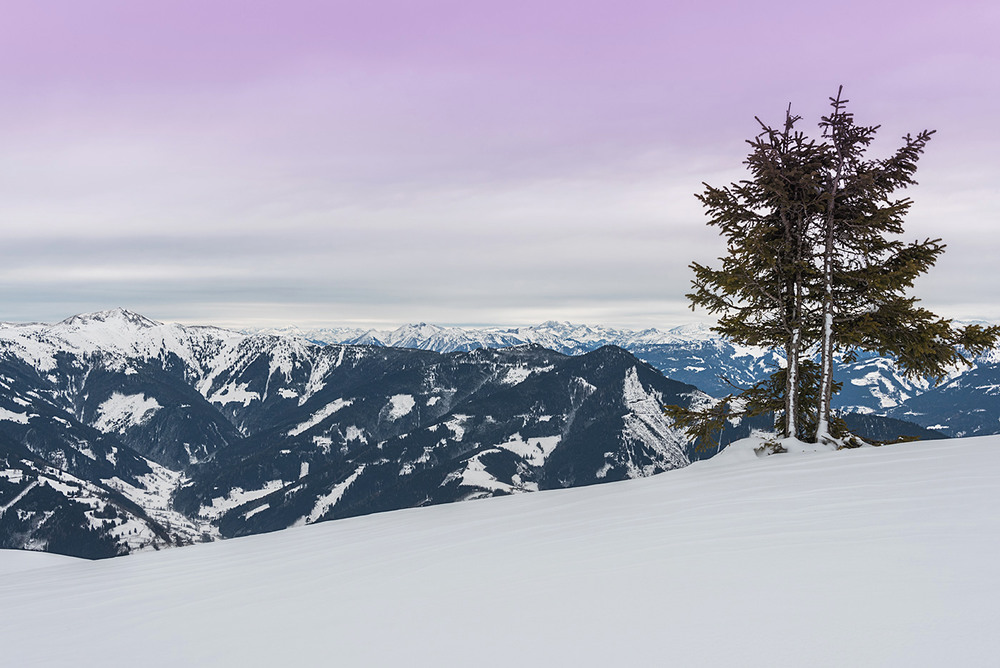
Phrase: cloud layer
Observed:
(463, 163)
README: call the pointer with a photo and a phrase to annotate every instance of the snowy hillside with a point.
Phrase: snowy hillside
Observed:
(872, 557)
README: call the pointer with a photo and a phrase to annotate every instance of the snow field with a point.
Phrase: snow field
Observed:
(20, 418)
(400, 405)
(871, 557)
(121, 411)
(321, 415)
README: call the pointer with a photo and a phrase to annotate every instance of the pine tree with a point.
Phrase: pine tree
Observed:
(867, 270)
(814, 265)
(760, 293)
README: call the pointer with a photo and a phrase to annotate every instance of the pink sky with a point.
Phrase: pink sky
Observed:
(457, 162)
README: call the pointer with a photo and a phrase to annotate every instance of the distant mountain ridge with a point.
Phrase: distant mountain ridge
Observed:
(564, 337)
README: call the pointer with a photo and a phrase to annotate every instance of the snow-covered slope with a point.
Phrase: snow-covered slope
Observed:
(873, 557)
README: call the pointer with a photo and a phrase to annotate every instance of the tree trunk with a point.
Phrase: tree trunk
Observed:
(826, 345)
(792, 385)
(795, 237)
(829, 249)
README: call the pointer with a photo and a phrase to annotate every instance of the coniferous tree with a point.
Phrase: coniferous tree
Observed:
(760, 293)
(867, 270)
(815, 266)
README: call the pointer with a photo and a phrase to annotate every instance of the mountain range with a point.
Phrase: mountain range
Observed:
(963, 404)
(119, 433)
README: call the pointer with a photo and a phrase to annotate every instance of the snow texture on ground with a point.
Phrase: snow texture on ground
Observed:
(871, 557)
(18, 561)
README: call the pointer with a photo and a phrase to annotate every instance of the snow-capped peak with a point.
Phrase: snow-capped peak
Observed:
(562, 336)
(115, 316)
(115, 332)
